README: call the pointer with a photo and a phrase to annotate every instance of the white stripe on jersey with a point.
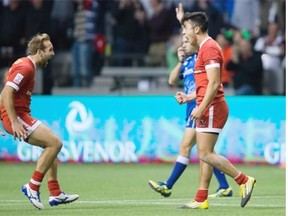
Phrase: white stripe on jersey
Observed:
(199, 71)
(13, 85)
(188, 72)
(212, 66)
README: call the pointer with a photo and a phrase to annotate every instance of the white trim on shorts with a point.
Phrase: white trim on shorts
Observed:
(212, 130)
(210, 123)
(210, 118)
(189, 120)
(29, 129)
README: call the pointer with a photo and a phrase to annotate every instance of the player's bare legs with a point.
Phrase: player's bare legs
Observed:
(207, 159)
(187, 142)
(205, 147)
(52, 171)
(52, 179)
(206, 172)
(56, 195)
(47, 164)
(44, 137)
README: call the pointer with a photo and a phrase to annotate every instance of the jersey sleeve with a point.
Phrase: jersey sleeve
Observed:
(212, 57)
(18, 77)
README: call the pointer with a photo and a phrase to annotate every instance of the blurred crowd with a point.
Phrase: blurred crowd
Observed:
(146, 33)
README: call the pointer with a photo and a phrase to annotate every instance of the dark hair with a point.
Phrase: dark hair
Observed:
(200, 18)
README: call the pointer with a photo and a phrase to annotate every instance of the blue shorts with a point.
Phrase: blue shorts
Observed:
(190, 123)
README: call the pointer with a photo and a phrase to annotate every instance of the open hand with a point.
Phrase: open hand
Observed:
(19, 131)
(179, 12)
(196, 113)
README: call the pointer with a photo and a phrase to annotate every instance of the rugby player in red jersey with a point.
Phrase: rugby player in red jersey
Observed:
(17, 121)
(211, 112)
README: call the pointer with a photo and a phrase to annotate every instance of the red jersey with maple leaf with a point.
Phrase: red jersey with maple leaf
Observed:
(209, 55)
(21, 77)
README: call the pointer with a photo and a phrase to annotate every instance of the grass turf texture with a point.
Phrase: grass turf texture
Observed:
(122, 189)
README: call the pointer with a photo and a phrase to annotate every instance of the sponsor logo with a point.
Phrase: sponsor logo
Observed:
(18, 78)
(202, 123)
(188, 71)
(79, 120)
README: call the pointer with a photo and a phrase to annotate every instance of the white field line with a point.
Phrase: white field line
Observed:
(171, 201)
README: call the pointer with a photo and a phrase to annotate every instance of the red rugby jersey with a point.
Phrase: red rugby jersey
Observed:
(209, 55)
(21, 77)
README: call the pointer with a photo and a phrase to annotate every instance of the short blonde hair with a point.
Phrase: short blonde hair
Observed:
(37, 43)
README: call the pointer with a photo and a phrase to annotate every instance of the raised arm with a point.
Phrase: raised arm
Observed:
(179, 12)
(174, 75)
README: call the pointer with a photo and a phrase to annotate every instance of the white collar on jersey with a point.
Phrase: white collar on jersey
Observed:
(201, 44)
(32, 61)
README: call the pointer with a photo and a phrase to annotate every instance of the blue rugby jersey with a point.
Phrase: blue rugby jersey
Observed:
(187, 74)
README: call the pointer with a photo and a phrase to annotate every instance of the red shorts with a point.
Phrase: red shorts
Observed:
(26, 119)
(213, 118)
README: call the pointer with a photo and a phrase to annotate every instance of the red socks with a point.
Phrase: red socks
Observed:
(54, 188)
(241, 178)
(36, 180)
(202, 195)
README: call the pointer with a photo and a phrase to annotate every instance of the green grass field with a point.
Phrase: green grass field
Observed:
(121, 189)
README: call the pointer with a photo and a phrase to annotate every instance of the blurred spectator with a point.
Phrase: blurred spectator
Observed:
(283, 67)
(100, 37)
(84, 32)
(247, 67)
(272, 11)
(129, 31)
(225, 40)
(214, 16)
(246, 15)
(12, 31)
(272, 46)
(38, 21)
(174, 3)
(172, 59)
(237, 36)
(159, 29)
(79, 25)
(38, 17)
(61, 35)
(61, 24)
(147, 8)
(171, 6)
(225, 8)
